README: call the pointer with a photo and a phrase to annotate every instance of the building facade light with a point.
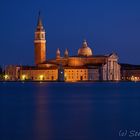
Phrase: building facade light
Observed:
(41, 77)
(23, 77)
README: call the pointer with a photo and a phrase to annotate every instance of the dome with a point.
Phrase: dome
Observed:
(85, 50)
(58, 51)
(66, 53)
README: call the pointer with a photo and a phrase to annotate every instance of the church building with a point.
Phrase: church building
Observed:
(84, 66)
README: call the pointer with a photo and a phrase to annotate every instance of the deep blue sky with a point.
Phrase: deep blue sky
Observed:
(107, 25)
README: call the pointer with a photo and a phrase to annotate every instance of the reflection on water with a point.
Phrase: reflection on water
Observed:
(68, 111)
(42, 125)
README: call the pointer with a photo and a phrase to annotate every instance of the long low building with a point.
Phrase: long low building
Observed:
(130, 72)
(61, 73)
(39, 74)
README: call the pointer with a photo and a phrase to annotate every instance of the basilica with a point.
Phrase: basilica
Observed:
(84, 66)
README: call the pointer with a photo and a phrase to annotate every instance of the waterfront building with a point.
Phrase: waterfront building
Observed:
(1, 73)
(130, 72)
(0, 70)
(12, 72)
(85, 66)
(39, 74)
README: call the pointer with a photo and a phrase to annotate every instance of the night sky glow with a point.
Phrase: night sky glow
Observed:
(107, 25)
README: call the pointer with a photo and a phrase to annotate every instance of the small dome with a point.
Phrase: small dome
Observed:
(58, 51)
(66, 53)
(58, 54)
(85, 50)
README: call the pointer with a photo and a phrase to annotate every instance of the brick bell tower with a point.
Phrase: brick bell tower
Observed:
(40, 42)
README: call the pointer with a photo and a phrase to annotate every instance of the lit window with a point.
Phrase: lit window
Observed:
(23, 77)
(41, 77)
(6, 77)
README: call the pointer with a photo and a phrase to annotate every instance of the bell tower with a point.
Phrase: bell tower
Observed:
(40, 43)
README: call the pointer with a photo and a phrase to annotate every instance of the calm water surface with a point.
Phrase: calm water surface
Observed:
(69, 111)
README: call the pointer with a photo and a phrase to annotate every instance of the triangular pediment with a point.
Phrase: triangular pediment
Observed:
(113, 56)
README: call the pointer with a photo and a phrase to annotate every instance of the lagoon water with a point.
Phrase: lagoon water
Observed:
(69, 111)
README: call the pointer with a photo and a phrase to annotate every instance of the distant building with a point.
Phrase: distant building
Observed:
(83, 67)
(1, 73)
(39, 74)
(0, 70)
(12, 72)
(130, 72)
